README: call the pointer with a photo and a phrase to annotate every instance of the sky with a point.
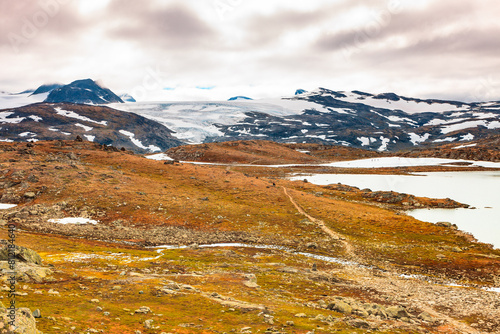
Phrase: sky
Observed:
(176, 50)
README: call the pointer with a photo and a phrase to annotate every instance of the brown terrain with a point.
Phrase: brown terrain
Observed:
(311, 259)
(487, 149)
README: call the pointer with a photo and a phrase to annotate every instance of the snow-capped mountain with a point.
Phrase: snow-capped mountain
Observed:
(379, 122)
(103, 125)
(383, 122)
(83, 92)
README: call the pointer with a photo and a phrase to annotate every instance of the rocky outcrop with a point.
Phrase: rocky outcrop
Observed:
(23, 254)
(25, 322)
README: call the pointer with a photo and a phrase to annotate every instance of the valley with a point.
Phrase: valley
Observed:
(235, 246)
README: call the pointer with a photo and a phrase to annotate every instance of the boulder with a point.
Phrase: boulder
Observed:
(397, 312)
(23, 254)
(340, 306)
(25, 322)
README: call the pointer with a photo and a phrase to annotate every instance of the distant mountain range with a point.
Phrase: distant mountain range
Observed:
(383, 122)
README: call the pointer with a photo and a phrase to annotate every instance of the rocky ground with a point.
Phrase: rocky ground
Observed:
(312, 259)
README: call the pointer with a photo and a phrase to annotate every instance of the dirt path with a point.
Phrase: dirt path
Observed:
(334, 235)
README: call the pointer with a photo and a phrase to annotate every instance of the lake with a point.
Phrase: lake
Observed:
(478, 189)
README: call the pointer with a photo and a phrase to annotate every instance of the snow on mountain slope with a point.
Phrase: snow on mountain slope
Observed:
(8, 100)
(194, 122)
(408, 106)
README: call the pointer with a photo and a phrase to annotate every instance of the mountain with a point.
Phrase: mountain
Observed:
(382, 122)
(300, 91)
(83, 92)
(127, 98)
(239, 98)
(98, 124)
(46, 88)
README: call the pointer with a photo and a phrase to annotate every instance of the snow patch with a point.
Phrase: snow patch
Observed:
(86, 128)
(35, 118)
(138, 143)
(463, 146)
(5, 120)
(72, 114)
(26, 134)
(159, 157)
(365, 141)
(462, 126)
(415, 139)
(76, 220)
(89, 137)
(450, 139)
(467, 137)
(4, 206)
(385, 141)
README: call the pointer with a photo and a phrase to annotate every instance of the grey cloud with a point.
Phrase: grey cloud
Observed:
(174, 26)
(29, 24)
(411, 25)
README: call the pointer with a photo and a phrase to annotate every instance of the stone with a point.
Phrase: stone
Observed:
(340, 306)
(29, 195)
(424, 316)
(94, 300)
(148, 324)
(25, 321)
(397, 312)
(37, 314)
(301, 315)
(359, 323)
(23, 254)
(143, 310)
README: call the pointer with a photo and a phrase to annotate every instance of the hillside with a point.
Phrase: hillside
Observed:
(103, 125)
(257, 152)
(315, 258)
(486, 149)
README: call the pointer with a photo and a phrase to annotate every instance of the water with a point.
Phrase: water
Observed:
(478, 189)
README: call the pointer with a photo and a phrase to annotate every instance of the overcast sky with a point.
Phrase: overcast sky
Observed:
(215, 49)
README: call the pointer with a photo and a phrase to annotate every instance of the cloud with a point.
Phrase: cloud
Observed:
(411, 47)
(175, 26)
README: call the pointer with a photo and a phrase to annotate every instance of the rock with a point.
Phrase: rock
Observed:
(290, 323)
(457, 249)
(314, 267)
(148, 324)
(25, 321)
(94, 300)
(53, 292)
(29, 195)
(358, 323)
(340, 306)
(444, 224)
(251, 284)
(301, 315)
(22, 254)
(143, 310)
(397, 312)
(37, 314)
(424, 316)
